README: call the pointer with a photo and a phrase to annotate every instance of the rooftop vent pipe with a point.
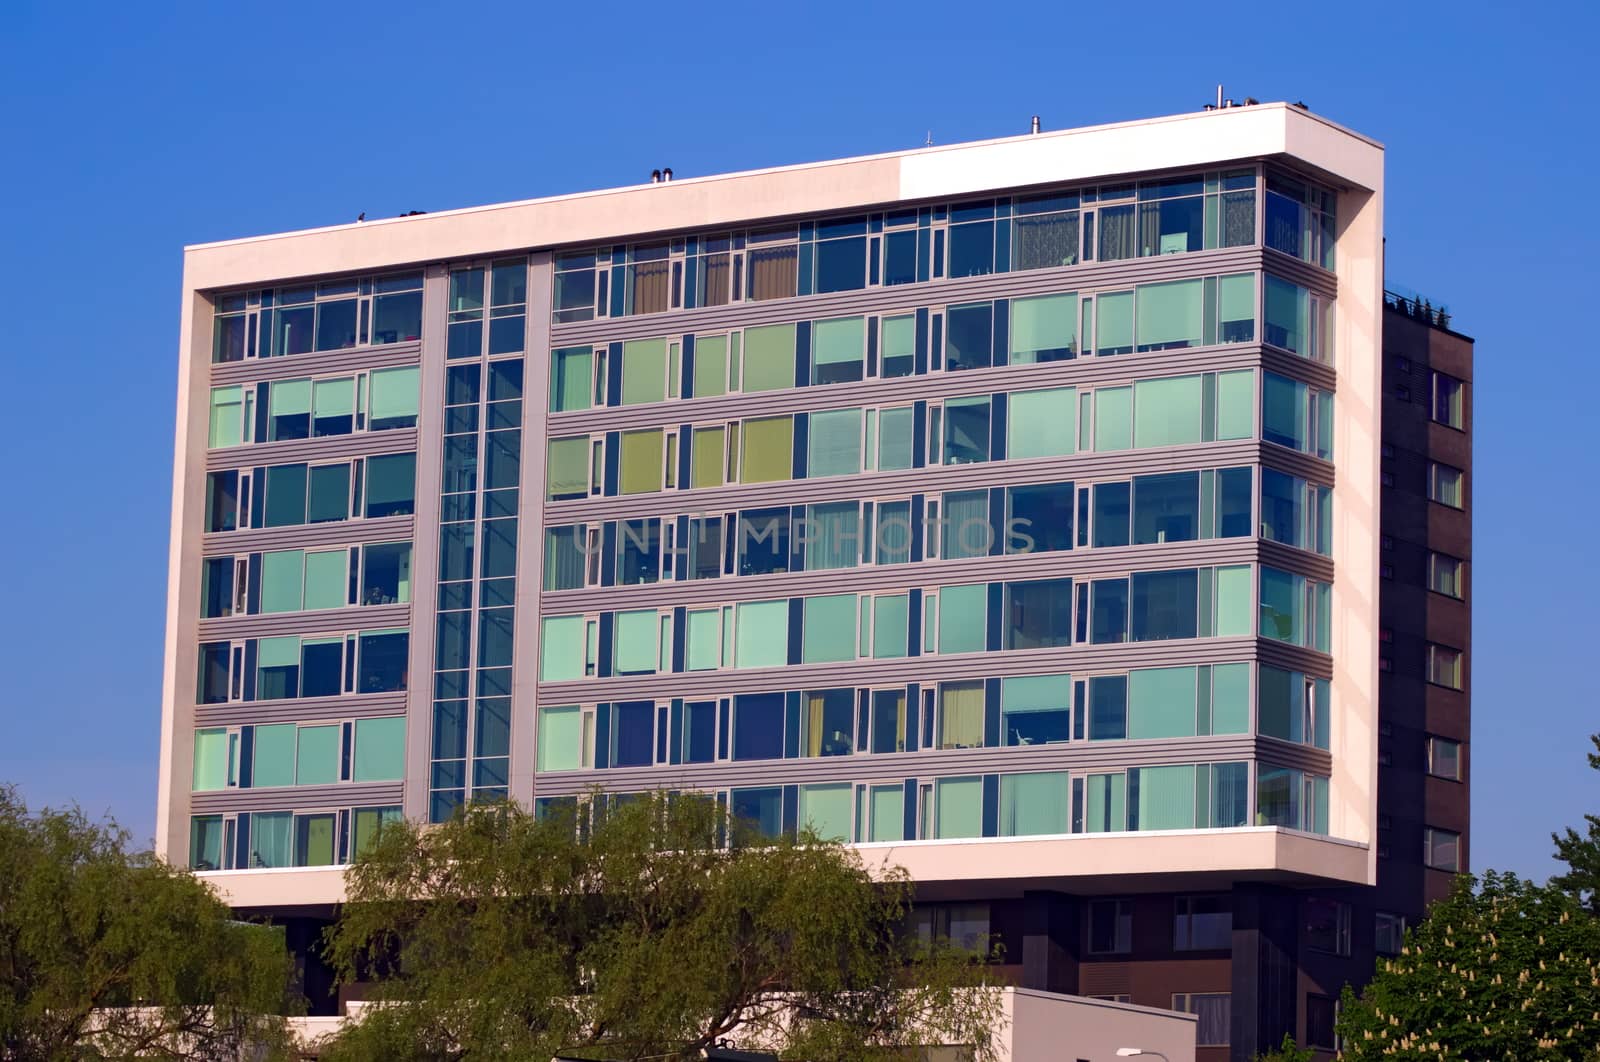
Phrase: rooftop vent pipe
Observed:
(655, 176)
(1035, 129)
(666, 174)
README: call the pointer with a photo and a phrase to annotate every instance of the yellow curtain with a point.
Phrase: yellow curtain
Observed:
(961, 715)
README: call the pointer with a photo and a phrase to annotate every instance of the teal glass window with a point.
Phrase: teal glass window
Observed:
(560, 734)
(1161, 702)
(835, 443)
(1036, 709)
(1044, 328)
(1166, 798)
(826, 810)
(762, 634)
(1042, 423)
(317, 755)
(963, 615)
(838, 350)
(380, 752)
(562, 648)
(830, 629)
(211, 754)
(274, 755)
(958, 804)
(1033, 804)
(1167, 412)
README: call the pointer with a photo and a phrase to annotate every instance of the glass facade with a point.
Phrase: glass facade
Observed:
(996, 481)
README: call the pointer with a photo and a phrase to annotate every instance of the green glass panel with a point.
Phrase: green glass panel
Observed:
(895, 436)
(826, 809)
(888, 804)
(336, 398)
(835, 443)
(1236, 299)
(1166, 412)
(380, 754)
(830, 629)
(641, 461)
(959, 804)
(766, 450)
(963, 618)
(317, 759)
(567, 467)
(1036, 693)
(1287, 309)
(710, 366)
(1042, 423)
(762, 634)
(561, 648)
(1113, 418)
(288, 397)
(274, 755)
(282, 575)
(560, 737)
(327, 579)
(1233, 601)
(1282, 606)
(1236, 404)
(227, 416)
(1170, 315)
(571, 382)
(1033, 804)
(1161, 702)
(369, 821)
(1107, 803)
(704, 640)
(1114, 322)
(889, 626)
(636, 641)
(899, 337)
(708, 457)
(1047, 325)
(644, 371)
(1230, 698)
(210, 760)
(768, 358)
(314, 840)
(1166, 798)
(394, 392)
(838, 342)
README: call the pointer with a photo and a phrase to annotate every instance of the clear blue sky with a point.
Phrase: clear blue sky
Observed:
(129, 130)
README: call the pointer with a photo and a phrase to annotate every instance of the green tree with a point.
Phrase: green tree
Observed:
(1581, 853)
(1288, 1051)
(1502, 969)
(504, 935)
(106, 954)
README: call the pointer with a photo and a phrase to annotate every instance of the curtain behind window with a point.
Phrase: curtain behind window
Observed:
(961, 715)
(774, 271)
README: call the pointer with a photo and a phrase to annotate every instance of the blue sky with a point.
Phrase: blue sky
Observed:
(130, 130)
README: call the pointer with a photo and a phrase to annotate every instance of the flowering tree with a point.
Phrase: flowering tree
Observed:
(1501, 969)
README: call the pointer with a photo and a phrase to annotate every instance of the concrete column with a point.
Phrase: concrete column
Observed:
(1050, 941)
(1265, 982)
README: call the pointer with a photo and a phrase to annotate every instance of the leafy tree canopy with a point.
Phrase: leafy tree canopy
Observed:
(1581, 853)
(110, 955)
(1502, 969)
(503, 935)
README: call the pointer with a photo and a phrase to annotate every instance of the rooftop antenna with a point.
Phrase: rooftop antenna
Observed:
(928, 142)
(1219, 97)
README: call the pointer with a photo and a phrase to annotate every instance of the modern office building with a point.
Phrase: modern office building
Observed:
(1062, 517)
